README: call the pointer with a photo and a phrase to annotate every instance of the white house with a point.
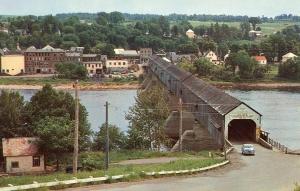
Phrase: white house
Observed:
(190, 33)
(211, 56)
(288, 56)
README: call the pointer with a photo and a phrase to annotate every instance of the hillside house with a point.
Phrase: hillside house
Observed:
(288, 56)
(190, 34)
(262, 60)
(212, 57)
(21, 155)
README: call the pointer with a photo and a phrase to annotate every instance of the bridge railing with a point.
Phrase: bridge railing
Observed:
(275, 144)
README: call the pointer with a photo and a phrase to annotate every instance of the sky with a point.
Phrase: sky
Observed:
(268, 8)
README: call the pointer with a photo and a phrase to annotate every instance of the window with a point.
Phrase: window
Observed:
(14, 164)
(124, 63)
(119, 63)
(36, 161)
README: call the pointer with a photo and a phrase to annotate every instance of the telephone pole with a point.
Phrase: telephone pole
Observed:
(75, 154)
(180, 124)
(107, 138)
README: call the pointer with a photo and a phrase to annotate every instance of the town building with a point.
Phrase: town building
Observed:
(260, 59)
(12, 63)
(190, 34)
(21, 155)
(145, 53)
(132, 56)
(43, 60)
(73, 57)
(117, 65)
(94, 63)
(177, 58)
(288, 56)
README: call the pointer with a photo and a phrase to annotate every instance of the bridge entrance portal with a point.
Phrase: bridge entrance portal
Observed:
(242, 130)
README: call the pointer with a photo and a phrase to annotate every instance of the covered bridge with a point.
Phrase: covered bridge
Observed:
(212, 108)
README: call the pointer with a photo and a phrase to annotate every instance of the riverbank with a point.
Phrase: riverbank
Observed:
(135, 85)
(257, 85)
(91, 86)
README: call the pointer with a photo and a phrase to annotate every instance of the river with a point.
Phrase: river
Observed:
(94, 101)
(280, 110)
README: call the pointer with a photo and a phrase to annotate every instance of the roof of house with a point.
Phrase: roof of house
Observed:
(259, 58)
(47, 48)
(89, 55)
(23, 146)
(73, 54)
(290, 55)
(209, 52)
(190, 31)
(126, 52)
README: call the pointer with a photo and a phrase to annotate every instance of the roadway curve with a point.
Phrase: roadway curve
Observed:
(267, 170)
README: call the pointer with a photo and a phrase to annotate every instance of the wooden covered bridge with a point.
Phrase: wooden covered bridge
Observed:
(223, 116)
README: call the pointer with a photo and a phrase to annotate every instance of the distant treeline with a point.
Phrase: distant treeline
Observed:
(174, 17)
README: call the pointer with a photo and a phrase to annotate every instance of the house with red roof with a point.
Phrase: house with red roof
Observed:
(260, 59)
(21, 155)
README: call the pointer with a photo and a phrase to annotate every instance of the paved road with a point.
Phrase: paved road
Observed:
(267, 170)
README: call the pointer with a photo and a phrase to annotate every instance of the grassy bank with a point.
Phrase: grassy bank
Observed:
(57, 81)
(184, 163)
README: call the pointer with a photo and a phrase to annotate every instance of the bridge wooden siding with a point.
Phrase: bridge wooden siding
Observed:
(208, 104)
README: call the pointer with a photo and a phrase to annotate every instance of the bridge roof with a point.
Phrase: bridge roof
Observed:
(160, 62)
(178, 73)
(217, 99)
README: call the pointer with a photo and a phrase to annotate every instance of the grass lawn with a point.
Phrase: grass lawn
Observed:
(188, 161)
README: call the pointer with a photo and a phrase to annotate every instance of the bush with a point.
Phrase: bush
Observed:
(71, 71)
(260, 71)
(290, 69)
(92, 161)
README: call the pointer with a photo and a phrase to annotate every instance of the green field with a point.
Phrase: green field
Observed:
(267, 28)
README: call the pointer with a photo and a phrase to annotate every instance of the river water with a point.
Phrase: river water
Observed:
(280, 110)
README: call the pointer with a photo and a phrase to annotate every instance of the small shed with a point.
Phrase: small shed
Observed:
(21, 155)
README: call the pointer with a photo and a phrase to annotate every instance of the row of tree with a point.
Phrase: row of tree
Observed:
(49, 115)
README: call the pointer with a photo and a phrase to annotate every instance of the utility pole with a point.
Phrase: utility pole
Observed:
(107, 138)
(75, 154)
(180, 124)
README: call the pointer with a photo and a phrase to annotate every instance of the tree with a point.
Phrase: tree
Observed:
(71, 70)
(117, 138)
(290, 69)
(69, 30)
(12, 123)
(51, 103)
(55, 136)
(116, 17)
(203, 67)
(254, 21)
(189, 48)
(147, 118)
(246, 64)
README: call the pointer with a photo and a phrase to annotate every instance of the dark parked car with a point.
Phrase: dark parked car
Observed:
(69, 169)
